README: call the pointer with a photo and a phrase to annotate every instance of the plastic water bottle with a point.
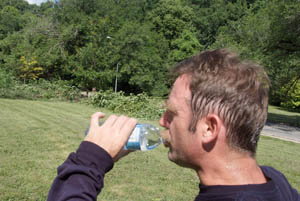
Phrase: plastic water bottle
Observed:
(144, 137)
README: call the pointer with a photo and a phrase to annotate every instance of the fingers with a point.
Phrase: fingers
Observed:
(116, 121)
(95, 118)
(127, 127)
(124, 125)
(111, 120)
(122, 121)
(112, 135)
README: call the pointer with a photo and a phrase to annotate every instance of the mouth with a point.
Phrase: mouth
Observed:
(166, 143)
(165, 138)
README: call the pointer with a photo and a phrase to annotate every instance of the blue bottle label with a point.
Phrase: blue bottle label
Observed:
(134, 142)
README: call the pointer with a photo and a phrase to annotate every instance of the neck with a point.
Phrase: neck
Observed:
(232, 168)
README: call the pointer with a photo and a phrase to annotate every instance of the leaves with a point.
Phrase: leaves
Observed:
(30, 69)
(84, 41)
(139, 106)
(269, 34)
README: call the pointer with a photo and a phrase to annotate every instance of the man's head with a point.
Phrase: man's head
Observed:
(236, 91)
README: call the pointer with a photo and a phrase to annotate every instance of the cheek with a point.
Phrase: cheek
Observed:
(181, 137)
(176, 133)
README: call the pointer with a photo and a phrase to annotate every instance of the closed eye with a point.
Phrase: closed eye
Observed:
(170, 112)
(169, 116)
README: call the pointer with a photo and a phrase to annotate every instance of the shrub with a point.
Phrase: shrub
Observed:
(292, 100)
(139, 106)
(41, 89)
(7, 80)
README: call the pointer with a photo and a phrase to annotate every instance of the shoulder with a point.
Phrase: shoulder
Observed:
(281, 182)
(271, 172)
(274, 175)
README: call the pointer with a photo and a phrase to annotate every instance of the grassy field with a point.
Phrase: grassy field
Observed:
(36, 137)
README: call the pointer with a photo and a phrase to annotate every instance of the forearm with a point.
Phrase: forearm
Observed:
(81, 176)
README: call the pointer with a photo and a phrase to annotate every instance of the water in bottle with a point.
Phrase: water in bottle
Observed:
(144, 137)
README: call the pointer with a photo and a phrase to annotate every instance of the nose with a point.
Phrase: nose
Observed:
(161, 121)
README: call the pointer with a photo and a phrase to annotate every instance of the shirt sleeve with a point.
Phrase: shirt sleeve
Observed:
(81, 176)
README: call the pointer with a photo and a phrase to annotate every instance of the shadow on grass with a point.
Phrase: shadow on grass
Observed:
(290, 120)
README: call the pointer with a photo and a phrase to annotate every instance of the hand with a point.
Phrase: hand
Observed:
(112, 135)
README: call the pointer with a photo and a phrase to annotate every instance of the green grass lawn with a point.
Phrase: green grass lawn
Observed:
(36, 137)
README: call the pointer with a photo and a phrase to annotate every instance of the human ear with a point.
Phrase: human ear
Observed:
(211, 130)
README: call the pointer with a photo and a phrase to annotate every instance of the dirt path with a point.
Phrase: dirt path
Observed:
(283, 132)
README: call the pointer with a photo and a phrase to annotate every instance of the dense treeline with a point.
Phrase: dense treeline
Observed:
(83, 42)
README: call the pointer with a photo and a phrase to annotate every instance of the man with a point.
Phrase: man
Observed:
(215, 113)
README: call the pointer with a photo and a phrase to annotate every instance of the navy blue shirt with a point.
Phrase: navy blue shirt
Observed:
(81, 176)
(277, 188)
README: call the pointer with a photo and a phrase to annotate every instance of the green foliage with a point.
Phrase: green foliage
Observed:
(212, 15)
(83, 41)
(7, 80)
(186, 45)
(139, 106)
(21, 5)
(170, 18)
(141, 66)
(37, 40)
(292, 101)
(10, 21)
(269, 33)
(40, 89)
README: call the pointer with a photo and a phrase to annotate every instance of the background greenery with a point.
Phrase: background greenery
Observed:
(82, 42)
(37, 136)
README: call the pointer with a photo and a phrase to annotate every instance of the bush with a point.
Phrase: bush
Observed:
(7, 80)
(41, 89)
(292, 99)
(139, 106)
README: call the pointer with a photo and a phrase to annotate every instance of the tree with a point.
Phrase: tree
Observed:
(20, 5)
(212, 15)
(270, 35)
(39, 39)
(10, 21)
(184, 46)
(170, 18)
